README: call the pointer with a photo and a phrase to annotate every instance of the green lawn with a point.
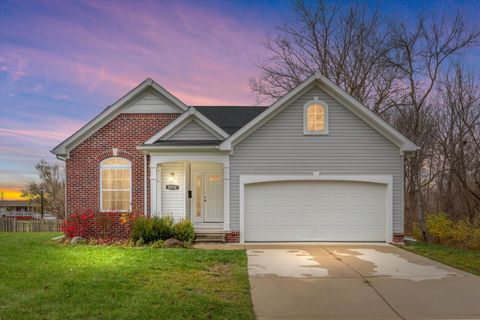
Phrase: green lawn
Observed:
(43, 280)
(467, 260)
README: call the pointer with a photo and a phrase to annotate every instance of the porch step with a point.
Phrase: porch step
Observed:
(210, 237)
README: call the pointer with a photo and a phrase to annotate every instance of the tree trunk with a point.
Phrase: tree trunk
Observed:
(419, 203)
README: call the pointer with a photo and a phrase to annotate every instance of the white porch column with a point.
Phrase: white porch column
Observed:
(226, 195)
(153, 188)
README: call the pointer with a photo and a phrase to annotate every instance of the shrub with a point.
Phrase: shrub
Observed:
(106, 227)
(142, 228)
(78, 224)
(184, 231)
(163, 227)
(416, 232)
(139, 242)
(442, 230)
(157, 244)
(439, 226)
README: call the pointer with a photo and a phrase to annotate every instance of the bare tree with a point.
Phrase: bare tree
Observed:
(347, 45)
(52, 183)
(458, 140)
(419, 52)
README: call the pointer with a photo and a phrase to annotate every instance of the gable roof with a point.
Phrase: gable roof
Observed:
(110, 112)
(231, 124)
(190, 115)
(230, 119)
(347, 100)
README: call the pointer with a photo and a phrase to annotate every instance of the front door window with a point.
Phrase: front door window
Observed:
(208, 197)
(198, 196)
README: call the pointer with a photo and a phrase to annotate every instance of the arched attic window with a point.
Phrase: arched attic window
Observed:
(115, 184)
(315, 118)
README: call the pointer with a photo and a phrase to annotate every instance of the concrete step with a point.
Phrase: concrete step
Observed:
(210, 237)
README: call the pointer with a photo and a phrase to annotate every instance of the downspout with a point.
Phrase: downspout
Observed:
(144, 184)
(64, 159)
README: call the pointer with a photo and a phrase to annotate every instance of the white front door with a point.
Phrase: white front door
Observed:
(208, 197)
(213, 197)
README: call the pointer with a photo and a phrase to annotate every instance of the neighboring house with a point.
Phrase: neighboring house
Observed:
(314, 166)
(20, 209)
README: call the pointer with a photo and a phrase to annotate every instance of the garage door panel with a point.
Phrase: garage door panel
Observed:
(315, 211)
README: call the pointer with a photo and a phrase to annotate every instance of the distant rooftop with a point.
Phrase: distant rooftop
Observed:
(18, 203)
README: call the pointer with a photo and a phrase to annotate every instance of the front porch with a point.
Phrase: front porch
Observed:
(194, 187)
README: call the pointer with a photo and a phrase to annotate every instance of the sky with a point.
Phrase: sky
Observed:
(63, 62)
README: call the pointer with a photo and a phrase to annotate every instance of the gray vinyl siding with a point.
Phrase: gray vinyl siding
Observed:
(352, 147)
(151, 102)
(192, 131)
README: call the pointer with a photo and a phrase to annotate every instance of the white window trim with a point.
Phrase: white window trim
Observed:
(115, 166)
(326, 118)
(387, 180)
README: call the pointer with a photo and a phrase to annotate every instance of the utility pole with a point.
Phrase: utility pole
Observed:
(41, 203)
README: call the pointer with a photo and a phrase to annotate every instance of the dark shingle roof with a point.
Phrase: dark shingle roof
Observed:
(185, 143)
(230, 119)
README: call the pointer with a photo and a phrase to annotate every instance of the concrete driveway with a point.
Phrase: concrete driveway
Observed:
(305, 281)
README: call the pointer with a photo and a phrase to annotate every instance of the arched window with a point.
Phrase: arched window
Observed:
(315, 117)
(115, 184)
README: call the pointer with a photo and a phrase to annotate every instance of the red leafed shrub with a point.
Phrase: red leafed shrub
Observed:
(104, 226)
(78, 224)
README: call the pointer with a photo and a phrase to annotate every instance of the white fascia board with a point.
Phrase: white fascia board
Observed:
(352, 104)
(169, 96)
(367, 115)
(110, 112)
(183, 120)
(61, 148)
(149, 149)
(172, 125)
(251, 126)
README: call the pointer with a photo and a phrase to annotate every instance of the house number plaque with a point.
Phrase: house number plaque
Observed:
(172, 187)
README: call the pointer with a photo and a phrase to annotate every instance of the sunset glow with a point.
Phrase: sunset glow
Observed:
(6, 194)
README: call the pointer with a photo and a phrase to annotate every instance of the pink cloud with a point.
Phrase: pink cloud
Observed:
(192, 51)
(30, 134)
(99, 50)
(48, 130)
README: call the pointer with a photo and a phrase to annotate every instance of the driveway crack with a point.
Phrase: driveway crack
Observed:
(367, 282)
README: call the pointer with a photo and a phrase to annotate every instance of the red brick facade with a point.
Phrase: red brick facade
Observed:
(125, 132)
(232, 237)
(398, 237)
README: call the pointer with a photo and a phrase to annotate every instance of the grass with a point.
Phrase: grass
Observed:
(44, 280)
(463, 259)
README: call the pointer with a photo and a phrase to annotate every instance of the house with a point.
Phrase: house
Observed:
(314, 166)
(19, 209)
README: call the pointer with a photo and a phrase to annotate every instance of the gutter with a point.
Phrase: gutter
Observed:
(59, 156)
(177, 148)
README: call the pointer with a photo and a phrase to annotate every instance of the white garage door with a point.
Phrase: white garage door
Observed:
(315, 211)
